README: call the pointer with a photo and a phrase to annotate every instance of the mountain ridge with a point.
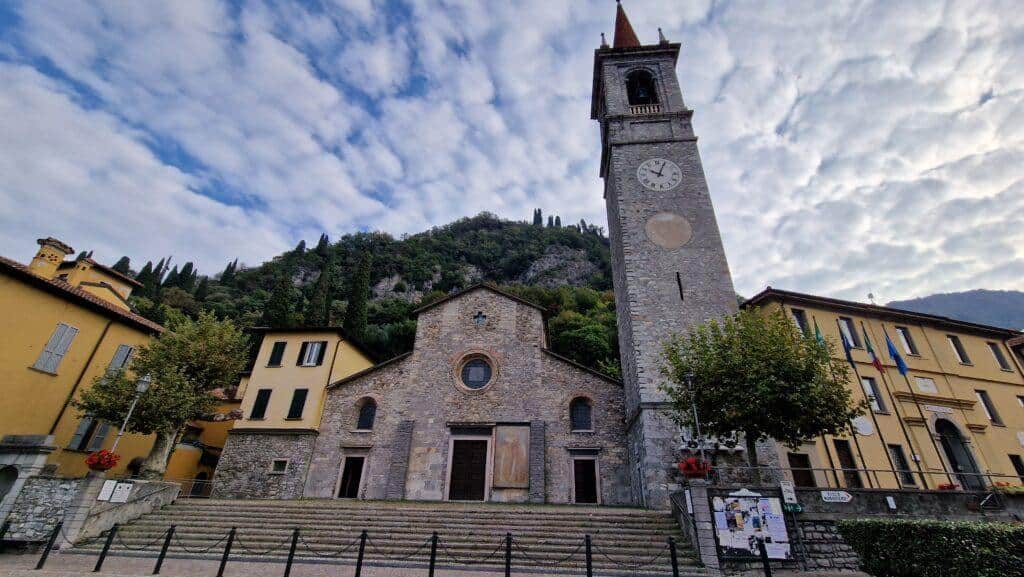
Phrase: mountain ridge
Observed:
(998, 308)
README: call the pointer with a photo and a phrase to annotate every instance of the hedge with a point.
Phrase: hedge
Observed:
(904, 548)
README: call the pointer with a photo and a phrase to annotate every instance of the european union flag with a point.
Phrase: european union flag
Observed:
(901, 366)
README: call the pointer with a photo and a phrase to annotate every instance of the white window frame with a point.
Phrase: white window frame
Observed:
(56, 348)
(902, 333)
(846, 327)
(312, 353)
(870, 386)
(931, 384)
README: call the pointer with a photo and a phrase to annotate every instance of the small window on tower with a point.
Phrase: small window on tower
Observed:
(640, 88)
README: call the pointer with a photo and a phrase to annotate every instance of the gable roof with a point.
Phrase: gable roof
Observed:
(368, 370)
(102, 267)
(479, 286)
(61, 289)
(583, 367)
(770, 294)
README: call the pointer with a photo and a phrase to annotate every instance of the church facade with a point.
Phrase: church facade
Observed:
(480, 409)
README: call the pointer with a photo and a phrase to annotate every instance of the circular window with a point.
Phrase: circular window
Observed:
(476, 373)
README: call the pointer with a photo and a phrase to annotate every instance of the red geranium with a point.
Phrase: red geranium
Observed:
(102, 460)
(694, 468)
(948, 487)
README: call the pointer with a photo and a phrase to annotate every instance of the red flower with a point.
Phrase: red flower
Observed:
(692, 468)
(102, 460)
(948, 487)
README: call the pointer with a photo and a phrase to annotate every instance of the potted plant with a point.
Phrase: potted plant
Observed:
(102, 460)
(948, 487)
(694, 468)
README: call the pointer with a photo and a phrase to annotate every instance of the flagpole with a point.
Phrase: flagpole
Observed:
(824, 441)
(856, 441)
(906, 433)
(874, 418)
(920, 412)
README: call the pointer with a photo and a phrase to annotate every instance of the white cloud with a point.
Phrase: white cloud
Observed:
(848, 145)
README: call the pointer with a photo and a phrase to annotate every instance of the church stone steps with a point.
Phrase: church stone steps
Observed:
(398, 531)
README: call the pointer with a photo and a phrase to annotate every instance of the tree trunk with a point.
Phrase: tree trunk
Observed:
(155, 465)
(752, 457)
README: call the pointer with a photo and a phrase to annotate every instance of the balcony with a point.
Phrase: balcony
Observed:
(645, 109)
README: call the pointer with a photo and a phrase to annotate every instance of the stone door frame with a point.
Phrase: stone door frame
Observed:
(365, 456)
(488, 464)
(573, 457)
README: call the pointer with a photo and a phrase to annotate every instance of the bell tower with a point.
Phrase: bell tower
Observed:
(669, 267)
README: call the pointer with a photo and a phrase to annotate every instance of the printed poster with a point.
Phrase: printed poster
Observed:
(742, 518)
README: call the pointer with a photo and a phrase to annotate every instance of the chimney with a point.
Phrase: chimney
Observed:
(51, 254)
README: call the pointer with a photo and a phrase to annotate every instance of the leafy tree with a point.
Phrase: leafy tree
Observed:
(181, 300)
(123, 265)
(278, 310)
(186, 363)
(358, 298)
(318, 310)
(758, 374)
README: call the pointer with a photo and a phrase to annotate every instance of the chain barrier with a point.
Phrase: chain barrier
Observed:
(128, 547)
(198, 551)
(499, 548)
(535, 561)
(633, 566)
(308, 547)
(377, 551)
(249, 551)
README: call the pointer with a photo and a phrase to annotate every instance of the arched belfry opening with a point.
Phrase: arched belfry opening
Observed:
(640, 88)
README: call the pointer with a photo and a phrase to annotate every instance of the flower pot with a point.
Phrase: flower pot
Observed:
(100, 467)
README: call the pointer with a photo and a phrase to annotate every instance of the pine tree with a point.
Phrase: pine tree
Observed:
(551, 221)
(558, 222)
(318, 311)
(278, 309)
(358, 298)
(187, 277)
(123, 265)
(203, 290)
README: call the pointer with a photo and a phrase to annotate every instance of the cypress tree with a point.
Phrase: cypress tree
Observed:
(227, 277)
(558, 222)
(300, 248)
(278, 309)
(318, 310)
(358, 298)
(538, 217)
(187, 277)
(203, 290)
(145, 275)
(172, 278)
(551, 221)
(323, 246)
(123, 265)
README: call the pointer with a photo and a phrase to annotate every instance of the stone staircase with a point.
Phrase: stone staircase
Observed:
(546, 538)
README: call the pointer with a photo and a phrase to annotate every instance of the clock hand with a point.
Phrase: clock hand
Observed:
(661, 170)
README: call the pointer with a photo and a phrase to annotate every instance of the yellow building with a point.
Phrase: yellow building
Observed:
(64, 324)
(955, 418)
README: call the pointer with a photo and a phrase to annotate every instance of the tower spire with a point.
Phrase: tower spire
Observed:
(625, 37)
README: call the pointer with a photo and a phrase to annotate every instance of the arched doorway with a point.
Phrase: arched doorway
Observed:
(200, 485)
(958, 455)
(8, 476)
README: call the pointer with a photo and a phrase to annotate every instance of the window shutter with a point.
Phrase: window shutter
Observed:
(121, 358)
(259, 408)
(83, 427)
(302, 353)
(320, 357)
(277, 354)
(55, 348)
(99, 436)
(65, 344)
(298, 403)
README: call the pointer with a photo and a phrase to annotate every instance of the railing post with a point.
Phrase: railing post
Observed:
(49, 545)
(590, 558)
(227, 552)
(291, 552)
(433, 553)
(163, 550)
(106, 548)
(672, 555)
(362, 548)
(764, 558)
(508, 554)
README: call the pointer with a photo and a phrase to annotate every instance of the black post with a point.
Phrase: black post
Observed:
(764, 558)
(590, 558)
(291, 552)
(163, 550)
(508, 554)
(49, 545)
(672, 555)
(227, 552)
(106, 548)
(433, 552)
(3, 531)
(362, 547)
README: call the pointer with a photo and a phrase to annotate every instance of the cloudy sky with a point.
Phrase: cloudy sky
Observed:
(849, 145)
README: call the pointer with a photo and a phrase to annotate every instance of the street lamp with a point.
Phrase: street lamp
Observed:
(141, 386)
(696, 421)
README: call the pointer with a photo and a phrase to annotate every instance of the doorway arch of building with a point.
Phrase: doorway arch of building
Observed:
(959, 455)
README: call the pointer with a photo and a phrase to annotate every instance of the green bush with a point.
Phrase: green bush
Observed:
(903, 548)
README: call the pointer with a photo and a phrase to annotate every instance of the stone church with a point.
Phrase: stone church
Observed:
(481, 410)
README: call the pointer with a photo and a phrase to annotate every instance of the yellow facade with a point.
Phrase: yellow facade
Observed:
(340, 359)
(40, 376)
(935, 414)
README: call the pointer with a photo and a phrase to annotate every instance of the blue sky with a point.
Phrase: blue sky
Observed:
(850, 146)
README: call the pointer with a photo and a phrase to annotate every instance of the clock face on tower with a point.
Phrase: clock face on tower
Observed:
(659, 174)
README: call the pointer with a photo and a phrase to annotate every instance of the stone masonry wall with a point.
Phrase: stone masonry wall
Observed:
(41, 504)
(824, 548)
(530, 387)
(244, 470)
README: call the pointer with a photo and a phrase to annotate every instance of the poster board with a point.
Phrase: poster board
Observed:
(742, 518)
(511, 457)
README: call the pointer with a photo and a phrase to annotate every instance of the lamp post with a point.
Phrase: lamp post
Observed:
(141, 386)
(696, 421)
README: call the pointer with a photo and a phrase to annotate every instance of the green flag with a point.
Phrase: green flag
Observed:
(817, 333)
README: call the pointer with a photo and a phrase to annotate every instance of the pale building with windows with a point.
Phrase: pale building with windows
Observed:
(956, 417)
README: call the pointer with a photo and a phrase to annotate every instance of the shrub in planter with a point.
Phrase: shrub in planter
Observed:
(904, 548)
